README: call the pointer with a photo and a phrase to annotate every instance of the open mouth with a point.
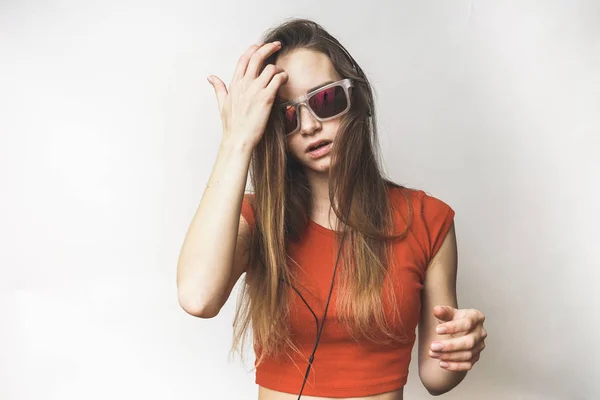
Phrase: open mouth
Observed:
(319, 145)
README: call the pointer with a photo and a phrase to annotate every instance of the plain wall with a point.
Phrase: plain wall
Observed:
(109, 131)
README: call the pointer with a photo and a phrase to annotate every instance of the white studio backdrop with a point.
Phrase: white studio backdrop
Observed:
(109, 131)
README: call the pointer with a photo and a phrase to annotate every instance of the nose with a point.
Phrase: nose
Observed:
(308, 123)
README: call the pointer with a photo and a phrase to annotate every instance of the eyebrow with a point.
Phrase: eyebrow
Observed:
(312, 88)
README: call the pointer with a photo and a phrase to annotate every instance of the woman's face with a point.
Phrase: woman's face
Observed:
(308, 69)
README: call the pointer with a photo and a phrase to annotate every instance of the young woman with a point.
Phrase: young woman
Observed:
(341, 264)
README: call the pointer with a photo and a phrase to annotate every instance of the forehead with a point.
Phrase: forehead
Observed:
(306, 69)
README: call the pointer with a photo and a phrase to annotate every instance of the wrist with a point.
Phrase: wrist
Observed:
(236, 146)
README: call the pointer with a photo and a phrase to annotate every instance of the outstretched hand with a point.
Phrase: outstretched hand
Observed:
(467, 335)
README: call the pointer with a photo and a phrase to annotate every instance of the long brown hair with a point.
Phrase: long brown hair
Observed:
(282, 202)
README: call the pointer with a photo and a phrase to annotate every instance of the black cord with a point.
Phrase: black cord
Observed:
(320, 330)
(317, 335)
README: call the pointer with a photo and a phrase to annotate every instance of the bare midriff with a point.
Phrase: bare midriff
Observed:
(269, 394)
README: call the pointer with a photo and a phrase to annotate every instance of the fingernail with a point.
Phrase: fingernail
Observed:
(441, 329)
(437, 346)
(443, 364)
(209, 79)
(277, 43)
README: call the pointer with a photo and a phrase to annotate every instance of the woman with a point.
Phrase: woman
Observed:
(299, 116)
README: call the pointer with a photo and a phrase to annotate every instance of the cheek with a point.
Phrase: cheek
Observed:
(291, 146)
(335, 125)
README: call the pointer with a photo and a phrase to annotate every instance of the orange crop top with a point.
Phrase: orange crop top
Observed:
(342, 366)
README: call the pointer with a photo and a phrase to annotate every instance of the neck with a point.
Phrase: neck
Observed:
(319, 186)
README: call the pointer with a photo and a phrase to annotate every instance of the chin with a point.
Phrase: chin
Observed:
(319, 165)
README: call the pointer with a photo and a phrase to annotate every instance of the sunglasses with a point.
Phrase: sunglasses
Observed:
(325, 103)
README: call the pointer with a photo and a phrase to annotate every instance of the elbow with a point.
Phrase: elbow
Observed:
(432, 384)
(434, 392)
(199, 309)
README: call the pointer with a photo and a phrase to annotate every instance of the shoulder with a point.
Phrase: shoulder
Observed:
(431, 217)
(424, 203)
(433, 207)
(436, 219)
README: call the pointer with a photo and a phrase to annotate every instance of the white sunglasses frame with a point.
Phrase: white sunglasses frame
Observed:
(303, 100)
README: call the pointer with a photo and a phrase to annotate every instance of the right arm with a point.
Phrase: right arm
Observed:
(214, 252)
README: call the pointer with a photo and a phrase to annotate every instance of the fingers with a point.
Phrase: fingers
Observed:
(457, 366)
(249, 63)
(257, 59)
(460, 365)
(454, 356)
(220, 89)
(267, 74)
(459, 325)
(463, 355)
(279, 79)
(242, 64)
(461, 343)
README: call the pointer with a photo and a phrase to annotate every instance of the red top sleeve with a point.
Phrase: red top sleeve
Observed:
(247, 211)
(248, 214)
(437, 218)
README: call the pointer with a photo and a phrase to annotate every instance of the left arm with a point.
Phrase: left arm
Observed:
(465, 334)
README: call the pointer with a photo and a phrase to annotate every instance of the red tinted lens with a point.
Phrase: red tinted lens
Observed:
(329, 102)
(290, 118)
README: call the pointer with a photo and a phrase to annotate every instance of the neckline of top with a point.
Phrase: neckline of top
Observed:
(312, 224)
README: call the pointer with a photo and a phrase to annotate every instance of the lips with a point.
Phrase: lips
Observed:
(315, 144)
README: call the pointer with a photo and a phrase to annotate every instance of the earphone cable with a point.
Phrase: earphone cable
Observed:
(320, 329)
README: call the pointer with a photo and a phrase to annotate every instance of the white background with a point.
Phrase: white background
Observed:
(109, 132)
